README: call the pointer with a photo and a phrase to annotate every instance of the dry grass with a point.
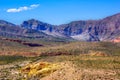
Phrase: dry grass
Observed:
(80, 60)
(70, 72)
(53, 49)
(72, 67)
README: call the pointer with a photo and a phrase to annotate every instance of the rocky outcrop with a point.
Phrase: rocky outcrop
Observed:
(40, 69)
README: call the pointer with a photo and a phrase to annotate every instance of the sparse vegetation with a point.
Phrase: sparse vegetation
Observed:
(83, 58)
(10, 59)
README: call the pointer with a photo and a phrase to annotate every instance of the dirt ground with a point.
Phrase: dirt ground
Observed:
(71, 72)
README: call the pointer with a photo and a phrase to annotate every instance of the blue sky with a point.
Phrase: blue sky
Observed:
(57, 11)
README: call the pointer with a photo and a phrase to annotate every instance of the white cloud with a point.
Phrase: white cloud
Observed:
(34, 5)
(24, 8)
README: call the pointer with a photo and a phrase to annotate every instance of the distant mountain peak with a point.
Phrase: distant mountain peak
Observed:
(89, 30)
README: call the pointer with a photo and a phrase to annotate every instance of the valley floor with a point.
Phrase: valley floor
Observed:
(76, 61)
(80, 67)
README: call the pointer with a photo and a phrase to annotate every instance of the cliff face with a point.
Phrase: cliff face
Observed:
(101, 30)
(91, 30)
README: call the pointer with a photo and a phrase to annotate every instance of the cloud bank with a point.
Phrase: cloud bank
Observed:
(24, 8)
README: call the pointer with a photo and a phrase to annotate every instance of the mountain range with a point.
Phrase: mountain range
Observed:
(90, 30)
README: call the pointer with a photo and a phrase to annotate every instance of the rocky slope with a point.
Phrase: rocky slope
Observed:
(99, 30)
(90, 30)
(9, 30)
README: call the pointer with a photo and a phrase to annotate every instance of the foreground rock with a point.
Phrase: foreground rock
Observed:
(39, 69)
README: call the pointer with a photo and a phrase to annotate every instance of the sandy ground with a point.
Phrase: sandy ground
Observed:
(68, 71)
(71, 72)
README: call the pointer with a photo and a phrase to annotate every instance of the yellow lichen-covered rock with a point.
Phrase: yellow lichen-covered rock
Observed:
(39, 69)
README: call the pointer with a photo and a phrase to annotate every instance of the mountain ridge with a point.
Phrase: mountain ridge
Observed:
(90, 30)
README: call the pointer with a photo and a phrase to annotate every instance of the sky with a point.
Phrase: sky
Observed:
(57, 11)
